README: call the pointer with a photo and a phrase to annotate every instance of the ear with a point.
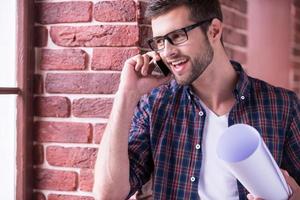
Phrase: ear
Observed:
(214, 32)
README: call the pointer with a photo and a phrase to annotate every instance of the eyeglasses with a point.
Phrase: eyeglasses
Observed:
(175, 37)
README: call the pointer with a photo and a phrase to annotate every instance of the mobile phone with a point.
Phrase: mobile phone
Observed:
(162, 67)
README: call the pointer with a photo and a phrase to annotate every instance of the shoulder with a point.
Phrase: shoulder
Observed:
(279, 96)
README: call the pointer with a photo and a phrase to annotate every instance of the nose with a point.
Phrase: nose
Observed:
(169, 49)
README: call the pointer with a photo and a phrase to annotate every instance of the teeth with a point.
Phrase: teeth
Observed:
(178, 62)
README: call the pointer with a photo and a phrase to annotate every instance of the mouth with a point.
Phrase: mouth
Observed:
(178, 65)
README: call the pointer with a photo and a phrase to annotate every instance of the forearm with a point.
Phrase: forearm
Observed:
(112, 164)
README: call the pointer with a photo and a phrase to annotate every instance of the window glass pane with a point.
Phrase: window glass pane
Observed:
(8, 43)
(7, 146)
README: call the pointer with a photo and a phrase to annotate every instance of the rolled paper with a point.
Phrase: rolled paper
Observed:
(242, 150)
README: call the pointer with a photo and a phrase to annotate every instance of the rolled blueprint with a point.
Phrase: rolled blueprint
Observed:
(244, 153)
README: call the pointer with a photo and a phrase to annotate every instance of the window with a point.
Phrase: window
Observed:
(16, 57)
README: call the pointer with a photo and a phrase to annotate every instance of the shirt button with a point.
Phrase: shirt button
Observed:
(193, 179)
(243, 97)
(201, 113)
(197, 146)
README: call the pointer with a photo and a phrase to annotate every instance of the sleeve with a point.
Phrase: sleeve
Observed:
(291, 156)
(139, 150)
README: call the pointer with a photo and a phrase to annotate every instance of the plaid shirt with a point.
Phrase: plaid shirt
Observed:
(168, 124)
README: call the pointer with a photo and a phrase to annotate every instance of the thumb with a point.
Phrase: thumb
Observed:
(151, 82)
(163, 79)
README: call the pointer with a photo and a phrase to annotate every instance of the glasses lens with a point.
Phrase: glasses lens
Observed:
(178, 36)
(175, 37)
(157, 43)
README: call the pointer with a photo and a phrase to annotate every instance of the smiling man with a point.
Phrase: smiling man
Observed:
(168, 127)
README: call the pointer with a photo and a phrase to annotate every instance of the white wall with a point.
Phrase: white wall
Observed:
(7, 102)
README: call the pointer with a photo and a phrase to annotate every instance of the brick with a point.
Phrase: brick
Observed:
(63, 59)
(88, 83)
(141, 11)
(235, 20)
(63, 12)
(296, 52)
(296, 3)
(38, 154)
(98, 132)
(52, 106)
(297, 27)
(41, 36)
(240, 5)
(146, 33)
(55, 180)
(111, 58)
(296, 78)
(115, 11)
(296, 65)
(62, 132)
(95, 36)
(297, 13)
(86, 180)
(297, 38)
(38, 84)
(71, 157)
(68, 197)
(232, 37)
(99, 107)
(38, 196)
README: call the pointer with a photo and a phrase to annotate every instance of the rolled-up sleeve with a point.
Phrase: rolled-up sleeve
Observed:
(139, 150)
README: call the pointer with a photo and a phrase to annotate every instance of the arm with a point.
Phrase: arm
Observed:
(112, 164)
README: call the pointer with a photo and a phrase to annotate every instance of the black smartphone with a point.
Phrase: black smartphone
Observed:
(162, 67)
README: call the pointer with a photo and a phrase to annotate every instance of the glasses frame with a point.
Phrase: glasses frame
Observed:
(184, 29)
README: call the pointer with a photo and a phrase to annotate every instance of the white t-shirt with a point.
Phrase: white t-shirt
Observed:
(215, 181)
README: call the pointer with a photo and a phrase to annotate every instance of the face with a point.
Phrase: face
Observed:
(189, 59)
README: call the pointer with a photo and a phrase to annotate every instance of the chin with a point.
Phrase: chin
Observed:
(187, 79)
(182, 81)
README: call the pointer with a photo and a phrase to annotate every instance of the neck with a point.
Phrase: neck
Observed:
(214, 87)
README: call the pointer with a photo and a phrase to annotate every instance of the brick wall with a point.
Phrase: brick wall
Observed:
(235, 29)
(80, 50)
(295, 15)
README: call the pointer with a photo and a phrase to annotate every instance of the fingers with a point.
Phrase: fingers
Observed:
(139, 62)
(293, 185)
(146, 65)
(289, 180)
(143, 63)
(251, 197)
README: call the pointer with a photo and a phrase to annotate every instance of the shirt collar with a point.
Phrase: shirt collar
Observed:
(242, 88)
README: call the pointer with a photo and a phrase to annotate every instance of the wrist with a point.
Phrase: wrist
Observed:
(127, 98)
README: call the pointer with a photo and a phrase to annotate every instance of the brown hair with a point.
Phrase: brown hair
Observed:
(199, 9)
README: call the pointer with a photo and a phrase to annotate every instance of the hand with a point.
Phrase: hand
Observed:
(294, 186)
(137, 75)
(291, 182)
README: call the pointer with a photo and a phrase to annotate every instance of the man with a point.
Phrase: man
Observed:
(167, 127)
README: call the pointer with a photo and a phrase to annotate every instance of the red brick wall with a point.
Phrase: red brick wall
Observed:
(80, 50)
(296, 46)
(235, 29)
